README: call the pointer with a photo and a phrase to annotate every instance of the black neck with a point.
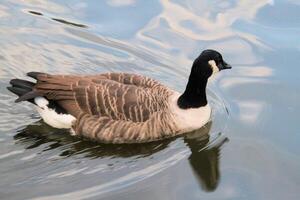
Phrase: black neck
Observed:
(194, 95)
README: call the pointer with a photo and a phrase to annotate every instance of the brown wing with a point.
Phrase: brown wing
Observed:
(115, 95)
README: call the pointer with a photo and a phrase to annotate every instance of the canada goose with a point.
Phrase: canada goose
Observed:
(121, 107)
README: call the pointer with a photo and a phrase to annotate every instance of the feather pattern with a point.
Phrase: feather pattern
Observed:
(112, 107)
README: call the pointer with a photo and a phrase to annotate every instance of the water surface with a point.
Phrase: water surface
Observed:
(252, 151)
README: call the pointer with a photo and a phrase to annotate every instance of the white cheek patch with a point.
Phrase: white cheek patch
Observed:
(214, 67)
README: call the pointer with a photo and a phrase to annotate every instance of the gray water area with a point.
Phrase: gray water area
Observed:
(252, 151)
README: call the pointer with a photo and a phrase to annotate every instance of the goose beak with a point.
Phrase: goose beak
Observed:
(224, 65)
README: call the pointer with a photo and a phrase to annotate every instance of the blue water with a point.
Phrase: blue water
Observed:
(253, 148)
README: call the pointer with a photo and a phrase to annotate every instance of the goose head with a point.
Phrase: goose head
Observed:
(208, 63)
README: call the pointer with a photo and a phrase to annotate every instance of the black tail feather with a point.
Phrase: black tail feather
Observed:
(21, 92)
(28, 96)
(24, 89)
(18, 91)
(34, 74)
(22, 84)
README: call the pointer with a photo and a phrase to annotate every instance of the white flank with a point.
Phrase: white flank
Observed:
(189, 119)
(51, 117)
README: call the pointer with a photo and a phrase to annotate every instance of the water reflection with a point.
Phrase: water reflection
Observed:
(118, 3)
(37, 134)
(204, 157)
(202, 23)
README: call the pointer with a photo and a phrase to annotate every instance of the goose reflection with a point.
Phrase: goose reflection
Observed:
(204, 158)
(39, 133)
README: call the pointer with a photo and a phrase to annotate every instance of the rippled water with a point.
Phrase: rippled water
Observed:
(253, 148)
